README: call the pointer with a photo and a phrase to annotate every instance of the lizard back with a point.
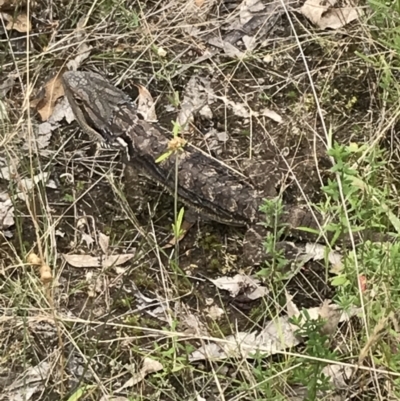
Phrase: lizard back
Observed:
(201, 182)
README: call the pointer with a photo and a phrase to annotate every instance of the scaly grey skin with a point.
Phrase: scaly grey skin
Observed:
(203, 184)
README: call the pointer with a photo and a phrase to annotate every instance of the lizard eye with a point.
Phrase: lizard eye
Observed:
(78, 101)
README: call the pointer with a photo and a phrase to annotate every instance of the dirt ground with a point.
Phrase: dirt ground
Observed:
(94, 197)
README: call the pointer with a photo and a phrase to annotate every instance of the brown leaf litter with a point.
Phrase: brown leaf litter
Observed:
(322, 14)
(53, 90)
(20, 23)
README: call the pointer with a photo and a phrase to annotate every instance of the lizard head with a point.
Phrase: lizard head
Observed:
(95, 102)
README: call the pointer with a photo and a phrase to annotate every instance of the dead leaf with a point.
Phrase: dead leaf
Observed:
(322, 14)
(87, 239)
(362, 279)
(8, 170)
(95, 285)
(92, 261)
(59, 233)
(6, 211)
(20, 23)
(313, 9)
(146, 105)
(250, 42)
(53, 90)
(248, 8)
(328, 311)
(240, 283)
(192, 30)
(277, 335)
(44, 130)
(144, 303)
(196, 11)
(28, 382)
(320, 252)
(6, 202)
(339, 17)
(83, 53)
(149, 366)
(339, 375)
(161, 313)
(254, 21)
(42, 139)
(104, 242)
(222, 136)
(62, 110)
(244, 111)
(331, 315)
(214, 312)
(193, 325)
(273, 115)
(26, 184)
(228, 48)
(239, 109)
(44, 134)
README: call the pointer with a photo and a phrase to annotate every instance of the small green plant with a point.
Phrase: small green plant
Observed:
(172, 354)
(126, 16)
(385, 22)
(276, 261)
(68, 198)
(310, 373)
(174, 99)
(354, 202)
(80, 185)
(177, 227)
(361, 200)
(80, 392)
(272, 208)
(270, 379)
(264, 97)
(175, 144)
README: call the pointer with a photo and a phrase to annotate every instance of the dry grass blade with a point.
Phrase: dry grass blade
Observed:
(299, 100)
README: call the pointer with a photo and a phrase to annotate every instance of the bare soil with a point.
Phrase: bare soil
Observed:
(91, 188)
